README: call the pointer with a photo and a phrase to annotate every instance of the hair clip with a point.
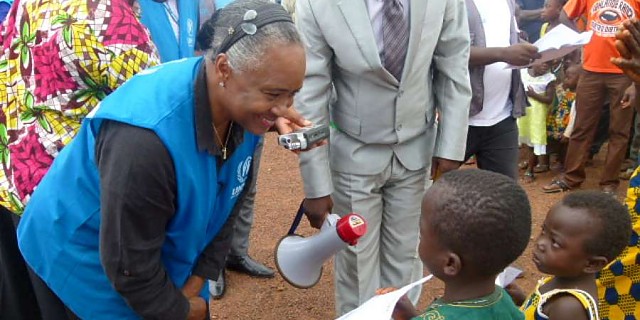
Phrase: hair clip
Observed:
(230, 30)
(248, 27)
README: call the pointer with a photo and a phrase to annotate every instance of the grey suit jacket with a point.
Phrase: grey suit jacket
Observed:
(373, 115)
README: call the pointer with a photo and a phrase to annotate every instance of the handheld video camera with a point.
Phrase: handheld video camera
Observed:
(304, 138)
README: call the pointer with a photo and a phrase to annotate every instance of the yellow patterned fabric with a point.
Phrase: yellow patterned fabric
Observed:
(58, 59)
(619, 282)
(534, 305)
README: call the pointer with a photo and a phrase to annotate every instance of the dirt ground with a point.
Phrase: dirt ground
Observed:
(278, 198)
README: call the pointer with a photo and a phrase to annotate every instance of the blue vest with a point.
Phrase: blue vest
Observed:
(59, 232)
(154, 17)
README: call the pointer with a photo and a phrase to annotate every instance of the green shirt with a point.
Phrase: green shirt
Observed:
(496, 306)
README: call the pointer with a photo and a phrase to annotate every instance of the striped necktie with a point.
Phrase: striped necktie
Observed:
(395, 36)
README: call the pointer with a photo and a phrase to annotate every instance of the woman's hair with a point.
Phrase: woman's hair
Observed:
(246, 53)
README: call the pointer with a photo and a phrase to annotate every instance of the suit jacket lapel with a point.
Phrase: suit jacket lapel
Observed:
(356, 16)
(418, 10)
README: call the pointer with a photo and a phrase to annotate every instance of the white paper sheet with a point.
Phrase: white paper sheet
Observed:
(507, 276)
(557, 43)
(381, 307)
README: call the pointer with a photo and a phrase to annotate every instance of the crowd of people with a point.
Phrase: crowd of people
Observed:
(131, 137)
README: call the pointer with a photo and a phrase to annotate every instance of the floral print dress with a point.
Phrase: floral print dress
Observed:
(59, 58)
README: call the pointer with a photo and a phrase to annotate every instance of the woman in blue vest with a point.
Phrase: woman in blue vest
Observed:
(143, 197)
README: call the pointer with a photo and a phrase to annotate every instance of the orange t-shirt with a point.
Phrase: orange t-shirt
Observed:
(603, 17)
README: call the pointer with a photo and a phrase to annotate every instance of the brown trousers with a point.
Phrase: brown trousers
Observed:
(593, 88)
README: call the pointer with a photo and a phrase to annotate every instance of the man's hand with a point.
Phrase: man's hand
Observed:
(197, 309)
(521, 54)
(440, 166)
(629, 97)
(317, 210)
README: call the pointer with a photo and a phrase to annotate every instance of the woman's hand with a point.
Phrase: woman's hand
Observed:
(197, 309)
(197, 305)
(293, 121)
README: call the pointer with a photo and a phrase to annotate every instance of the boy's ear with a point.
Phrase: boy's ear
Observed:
(454, 264)
(595, 264)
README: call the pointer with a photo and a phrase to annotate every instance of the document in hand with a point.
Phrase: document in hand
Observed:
(557, 43)
(507, 276)
(381, 307)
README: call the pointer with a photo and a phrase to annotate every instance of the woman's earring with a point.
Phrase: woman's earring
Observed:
(221, 84)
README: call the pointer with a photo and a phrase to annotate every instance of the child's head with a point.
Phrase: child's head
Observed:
(551, 10)
(571, 77)
(582, 234)
(540, 69)
(474, 224)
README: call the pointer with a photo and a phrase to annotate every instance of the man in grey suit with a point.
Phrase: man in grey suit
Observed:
(392, 63)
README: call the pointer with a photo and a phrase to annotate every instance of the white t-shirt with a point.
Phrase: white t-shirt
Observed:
(496, 20)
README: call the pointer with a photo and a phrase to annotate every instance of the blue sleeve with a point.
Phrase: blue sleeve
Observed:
(4, 10)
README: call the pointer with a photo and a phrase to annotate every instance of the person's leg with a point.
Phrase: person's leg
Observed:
(619, 129)
(634, 148)
(602, 132)
(474, 134)
(239, 258)
(240, 240)
(402, 195)
(498, 149)
(357, 268)
(528, 176)
(590, 96)
(17, 299)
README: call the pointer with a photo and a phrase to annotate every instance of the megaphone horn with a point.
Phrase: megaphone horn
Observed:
(299, 260)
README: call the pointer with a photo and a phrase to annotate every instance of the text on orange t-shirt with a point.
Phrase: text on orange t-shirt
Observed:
(603, 17)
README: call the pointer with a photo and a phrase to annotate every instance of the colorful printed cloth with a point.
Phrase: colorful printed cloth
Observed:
(619, 282)
(59, 58)
(533, 307)
(558, 116)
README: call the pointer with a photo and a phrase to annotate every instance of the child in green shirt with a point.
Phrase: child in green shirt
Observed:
(474, 224)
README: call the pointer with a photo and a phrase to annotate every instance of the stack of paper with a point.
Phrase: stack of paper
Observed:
(557, 43)
(381, 307)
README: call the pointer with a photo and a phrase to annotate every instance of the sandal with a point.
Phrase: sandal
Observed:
(471, 161)
(556, 186)
(541, 168)
(523, 164)
(557, 167)
(528, 177)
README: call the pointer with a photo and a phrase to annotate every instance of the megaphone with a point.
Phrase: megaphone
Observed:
(299, 260)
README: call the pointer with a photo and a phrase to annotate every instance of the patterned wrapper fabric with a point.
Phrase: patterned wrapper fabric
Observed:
(59, 58)
(619, 282)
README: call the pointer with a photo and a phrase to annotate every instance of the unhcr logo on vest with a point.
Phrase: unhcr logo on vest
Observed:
(242, 175)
